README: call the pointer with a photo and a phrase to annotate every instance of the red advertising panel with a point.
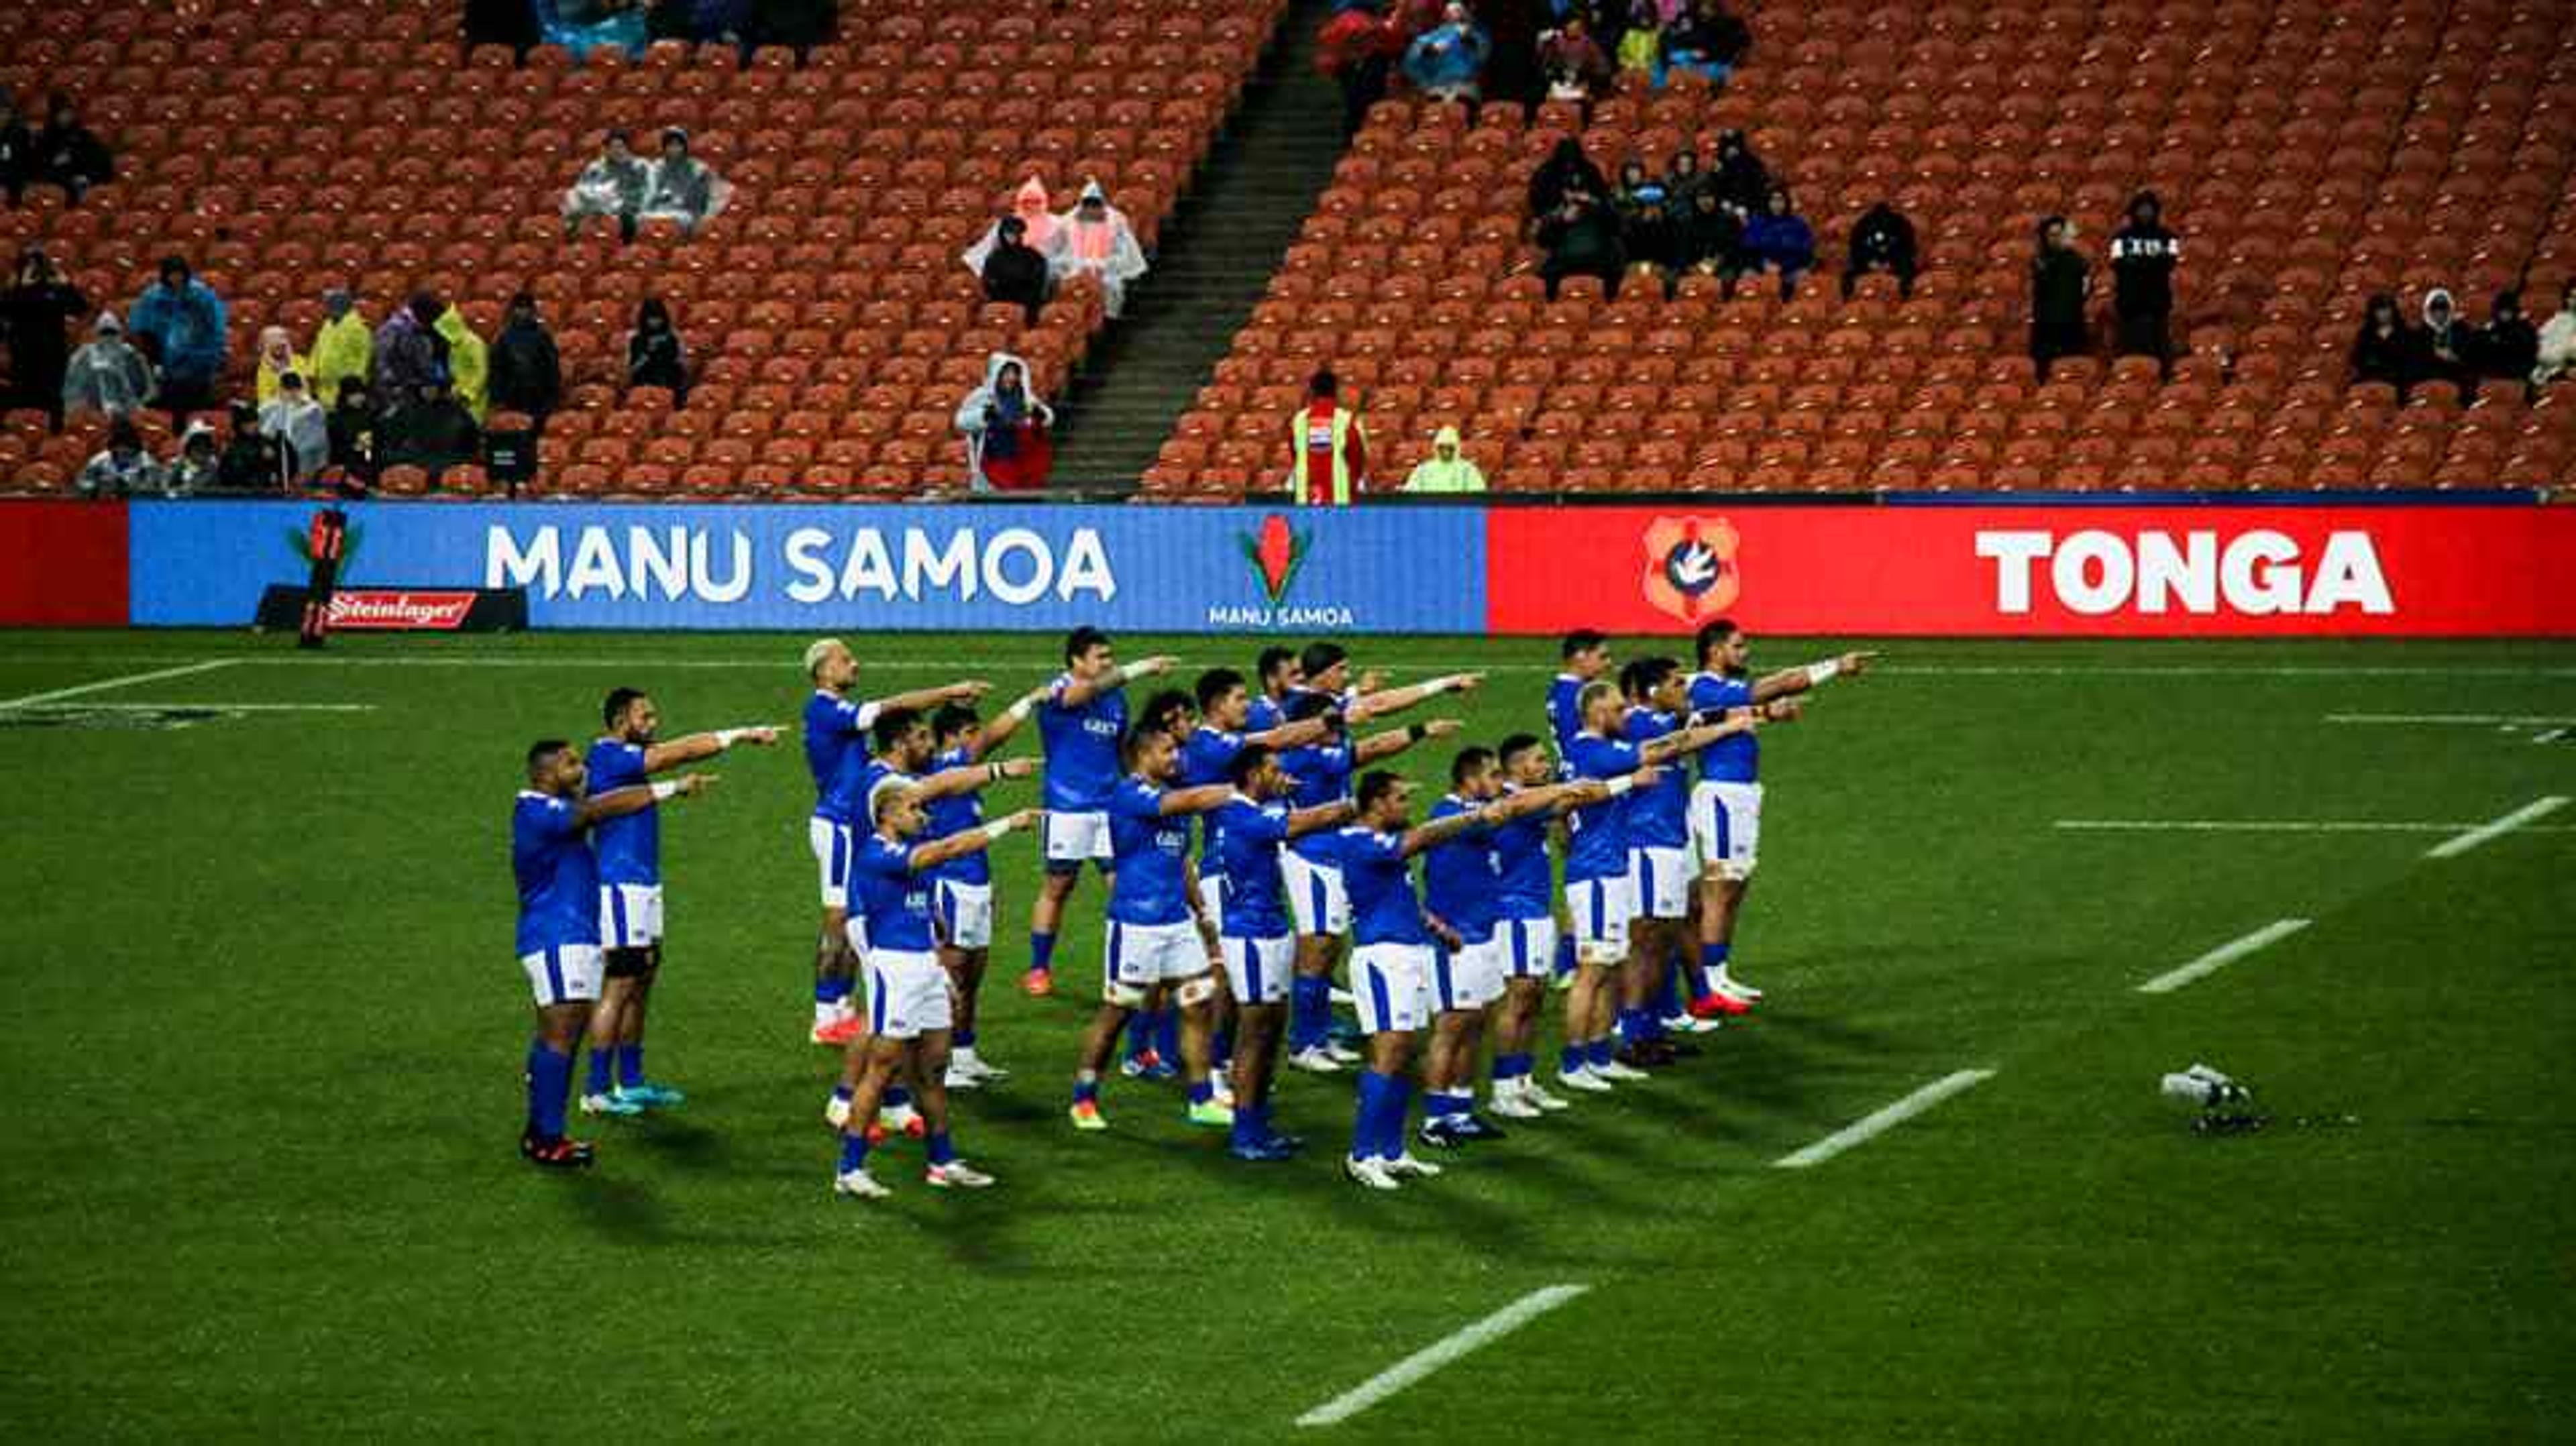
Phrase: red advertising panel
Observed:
(2071, 571)
(62, 564)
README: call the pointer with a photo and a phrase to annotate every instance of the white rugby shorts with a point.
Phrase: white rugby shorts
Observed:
(1391, 983)
(964, 913)
(1525, 948)
(1259, 969)
(562, 974)
(1070, 838)
(830, 843)
(1141, 956)
(1600, 909)
(1663, 879)
(1726, 827)
(1315, 898)
(907, 994)
(1469, 977)
(630, 916)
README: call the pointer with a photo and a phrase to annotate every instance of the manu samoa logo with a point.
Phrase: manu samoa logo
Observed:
(1691, 572)
(1275, 552)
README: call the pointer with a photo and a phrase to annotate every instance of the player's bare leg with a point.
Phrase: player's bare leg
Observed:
(965, 968)
(874, 1062)
(1046, 916)
(1721, 899)
(1449, 1080)
(1256, 1045)
(1099, 1040)
(560, 1028)
(1197, 1000)
(836, 977)
(1317, 956)
(1144, 1058)
(1649, 954)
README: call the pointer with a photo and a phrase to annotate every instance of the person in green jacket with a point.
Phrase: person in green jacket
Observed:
(1446, 469)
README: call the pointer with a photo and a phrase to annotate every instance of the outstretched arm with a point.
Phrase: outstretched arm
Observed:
(1815, 675)
(999, 731)
(957, 845)
(1083, 690)
(950, 782)
(1396, 740)
(1194, 800)
(1315, 820)
(1553, 797)
(1294, 735)
(1691, 740)
(920, 699)
(658, 756)
(1441, 830)
(1396, 700)
(619, 802)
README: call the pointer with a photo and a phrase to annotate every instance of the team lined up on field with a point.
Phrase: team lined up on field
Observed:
(1213, 963)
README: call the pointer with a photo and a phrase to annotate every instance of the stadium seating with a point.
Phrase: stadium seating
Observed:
(2309, 154)
(288, 146)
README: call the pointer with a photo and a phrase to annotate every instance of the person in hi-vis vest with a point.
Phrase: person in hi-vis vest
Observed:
(1329, 448)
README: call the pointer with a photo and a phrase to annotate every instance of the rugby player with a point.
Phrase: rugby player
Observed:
(1322, 772)
(908, 1013)
(1586, 656)
(558, 932)
(832, 720)
(1600, 891)
(1247, 837)
(1658, 826)
(1391, 959)
(1081, 725)
(629, 848)
(1151, 939)
(1726, 806)
(961, 894)
(1277, 675)
(1525, 926)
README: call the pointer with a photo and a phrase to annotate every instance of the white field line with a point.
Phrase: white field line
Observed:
(2222, 956)
(1226, 649)
(2270, 825)
(128, 681)
(2454, 847)
(2493, 720)
(1871, 1125)
(1440, 1353)
(211, 707)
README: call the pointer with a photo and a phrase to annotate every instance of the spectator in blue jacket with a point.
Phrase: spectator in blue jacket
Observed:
(1447, 61)
(1778, 239)
(180, 322)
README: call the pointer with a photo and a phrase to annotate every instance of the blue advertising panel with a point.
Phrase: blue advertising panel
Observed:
(1039, 568)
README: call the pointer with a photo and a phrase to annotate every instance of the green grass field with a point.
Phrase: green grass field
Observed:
(262, 1036)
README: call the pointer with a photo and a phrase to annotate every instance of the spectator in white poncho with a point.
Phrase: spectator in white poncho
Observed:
(612, 185)
(1037, 222)
(684, 188)
(1094, 238)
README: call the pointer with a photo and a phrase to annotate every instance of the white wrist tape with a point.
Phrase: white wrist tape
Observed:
(1622, 784)
(666, 789)
(1020, 711)
(1819, 674)
(993, 832)
(728, 737)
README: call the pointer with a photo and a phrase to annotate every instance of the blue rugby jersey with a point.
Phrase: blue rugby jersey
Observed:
(1323, 775)
(832, 725)
(557, 875)
(1148, 849)
(1525, 877)
(1250, 838)
(898, 899)
(1598, 842)
(955, 814)
(1459, 880)
(1081, 743)
(1378, 879)
(629, 847)
(1737, 757)
(1658, 817)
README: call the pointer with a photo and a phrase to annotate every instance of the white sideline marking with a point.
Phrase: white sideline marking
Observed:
(2503, 720)
(2537, 808)
(1869, 1126)
(212, 707)
(103, 684)
(1440, 1353)
(2222, 956)
(2270, 825)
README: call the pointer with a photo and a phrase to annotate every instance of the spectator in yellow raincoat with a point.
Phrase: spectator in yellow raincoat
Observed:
(277, 357)
(469, 368)
(344, 348)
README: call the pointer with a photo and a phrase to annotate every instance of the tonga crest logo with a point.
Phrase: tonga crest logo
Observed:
(1690, 567)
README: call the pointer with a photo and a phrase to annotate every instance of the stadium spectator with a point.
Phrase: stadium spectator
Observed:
(108, 374)
(354, 423)
(1640, 44)
(432, 431)
(1651, 237)
(198, 464)
(1328, 447)
(1683, 179)
(409, 351)
(276, 358)
(527, 369)
(612, 185)
(179, 322)
(1632, 179)
(2143, 256)
(1567, 169)
(300, 426)
(67, 155)
(2387, 350)
(1712, 238)
(1447, 469)
(682, 187)
(254, 460)
(1881, 240)
(1037, 225)
(1013, 271)
(1006, 422)
(1572, 64)
(2060, 282)
(1581, 238)
(122, 467)
(2442, 346)
(36, 315)
(2557, 351)
(1357, 49)
(469, 362)
(1740, 177)
(344, 349)
(1094, 239)
(800, 25)
(17, 150)
(582, 26)
(1703, 39)
(2508, 346)
(1447, 61)
(655, 356)
(1778, 239)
